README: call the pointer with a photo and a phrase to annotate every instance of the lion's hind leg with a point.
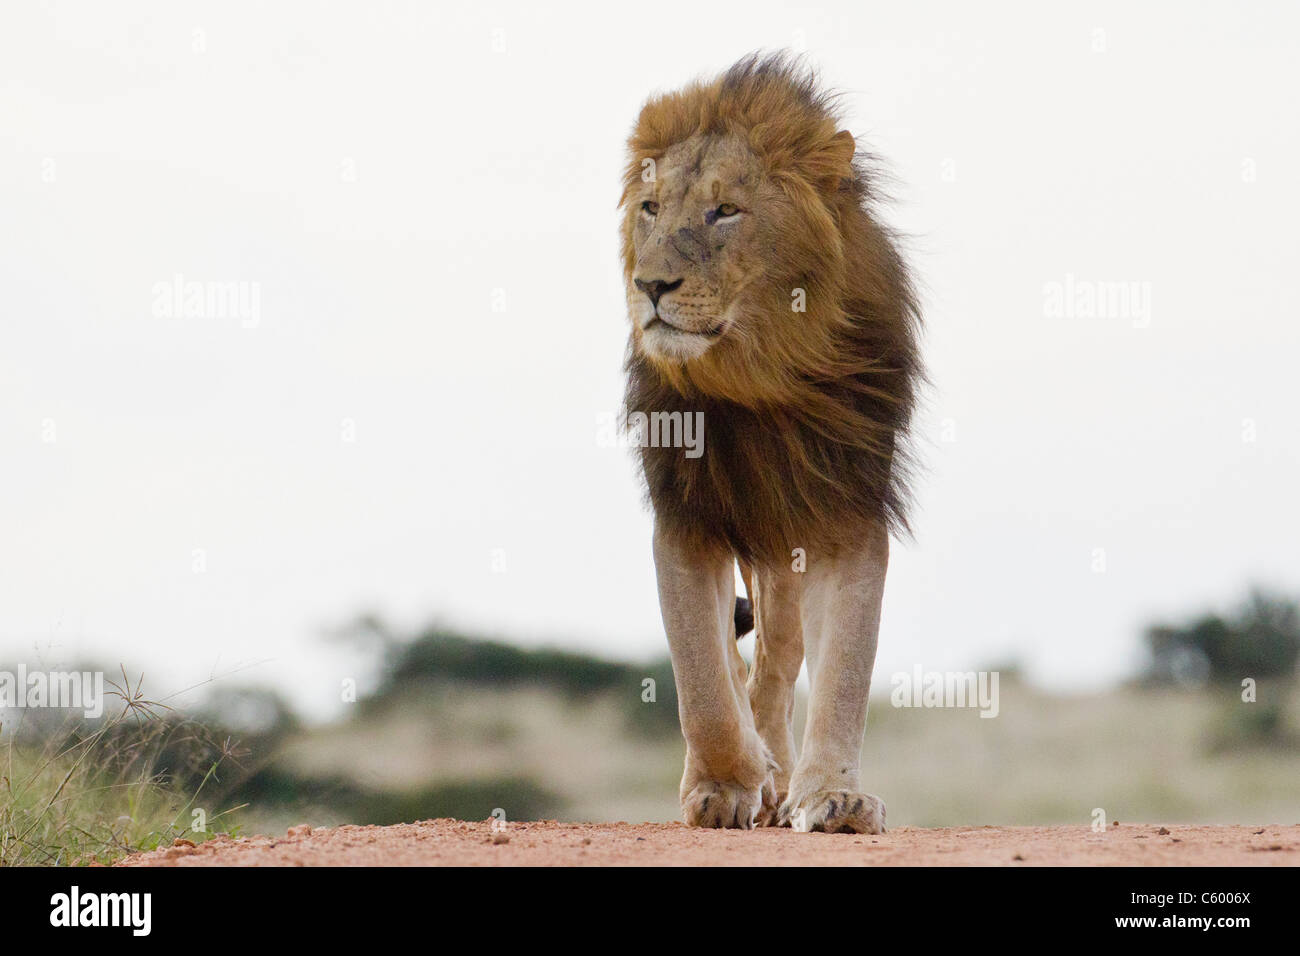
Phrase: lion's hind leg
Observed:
(778, 656)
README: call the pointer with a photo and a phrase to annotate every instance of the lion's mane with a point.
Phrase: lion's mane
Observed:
(805, 426)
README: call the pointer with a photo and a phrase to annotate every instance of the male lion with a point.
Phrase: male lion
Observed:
(763, 293)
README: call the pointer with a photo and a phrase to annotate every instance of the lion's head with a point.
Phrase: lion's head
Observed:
(696, 225)
(739, 198)
(762, 290)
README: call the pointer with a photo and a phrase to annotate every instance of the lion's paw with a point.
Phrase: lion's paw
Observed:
(835, 811)
(720, 805)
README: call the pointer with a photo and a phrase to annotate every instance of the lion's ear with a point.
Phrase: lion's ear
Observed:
(835, 162)
(842, 144)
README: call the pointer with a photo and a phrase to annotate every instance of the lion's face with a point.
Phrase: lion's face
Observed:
(695, 229)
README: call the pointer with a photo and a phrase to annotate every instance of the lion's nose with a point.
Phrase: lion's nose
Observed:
(655, 288)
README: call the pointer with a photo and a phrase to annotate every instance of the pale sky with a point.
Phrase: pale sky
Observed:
(418, 202)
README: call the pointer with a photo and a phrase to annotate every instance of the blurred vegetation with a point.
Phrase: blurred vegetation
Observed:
(78, 790)
(439, 689)
(278, 789)
(438, 656)
(1259, 639)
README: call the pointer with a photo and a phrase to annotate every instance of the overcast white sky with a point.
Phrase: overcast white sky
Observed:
(422, 199)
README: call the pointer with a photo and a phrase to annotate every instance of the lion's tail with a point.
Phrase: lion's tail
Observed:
(744, 605)
(744, 617)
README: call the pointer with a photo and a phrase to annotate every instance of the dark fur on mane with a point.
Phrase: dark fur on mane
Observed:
(817, 467)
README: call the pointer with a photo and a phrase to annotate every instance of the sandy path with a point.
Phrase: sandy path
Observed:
(546, 843)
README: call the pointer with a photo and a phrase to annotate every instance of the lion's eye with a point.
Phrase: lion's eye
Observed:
(727, 209)
(650, 207)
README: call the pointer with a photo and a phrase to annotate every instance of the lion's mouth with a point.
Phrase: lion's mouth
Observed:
(713, 332)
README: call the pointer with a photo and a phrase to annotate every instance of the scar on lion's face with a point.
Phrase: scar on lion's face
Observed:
(691, 225)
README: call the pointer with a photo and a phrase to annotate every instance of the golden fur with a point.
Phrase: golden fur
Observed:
(743, 200)
(804, 411)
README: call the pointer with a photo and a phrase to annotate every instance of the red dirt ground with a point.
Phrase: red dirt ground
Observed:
(547, 843)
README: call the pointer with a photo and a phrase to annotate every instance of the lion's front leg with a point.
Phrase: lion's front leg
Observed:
(727, 766)
(841, 615)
